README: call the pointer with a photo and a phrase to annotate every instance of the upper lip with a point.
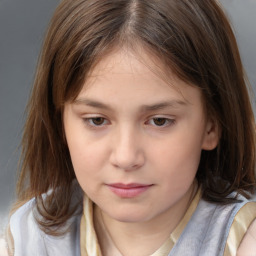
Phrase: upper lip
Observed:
(130, 185)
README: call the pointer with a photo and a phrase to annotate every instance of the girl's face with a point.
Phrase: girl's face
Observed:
(135, 141)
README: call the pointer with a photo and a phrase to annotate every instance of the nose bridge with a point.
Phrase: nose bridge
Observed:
(127, 149)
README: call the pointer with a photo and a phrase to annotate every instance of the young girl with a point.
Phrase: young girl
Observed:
(140, 136)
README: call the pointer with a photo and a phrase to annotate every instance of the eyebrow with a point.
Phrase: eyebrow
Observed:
(144, 108)
(92, 103)
(163, 105)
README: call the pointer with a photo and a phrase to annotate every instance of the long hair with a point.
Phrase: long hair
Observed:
(193, 38)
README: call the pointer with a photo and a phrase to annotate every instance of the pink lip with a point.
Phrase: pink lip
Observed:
(128, 190)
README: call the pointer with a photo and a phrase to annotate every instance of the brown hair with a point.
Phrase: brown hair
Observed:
(191, 37)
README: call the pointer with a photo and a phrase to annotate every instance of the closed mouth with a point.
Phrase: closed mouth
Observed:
(128, 190)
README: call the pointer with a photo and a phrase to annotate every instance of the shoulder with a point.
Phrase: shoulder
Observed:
(22, 218)
(24, 229)
(228, 224)
(248, 244)
(28, 239)
(242, 234)
(24, 212)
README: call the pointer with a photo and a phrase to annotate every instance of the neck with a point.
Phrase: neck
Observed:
(140, 238)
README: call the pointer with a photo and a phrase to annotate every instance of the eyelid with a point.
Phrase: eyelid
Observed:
(88, 120)
(169, 121)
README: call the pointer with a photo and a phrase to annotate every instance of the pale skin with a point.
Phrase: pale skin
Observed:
(128, 126)
(248, 244)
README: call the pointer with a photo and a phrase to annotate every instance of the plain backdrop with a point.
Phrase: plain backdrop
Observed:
(22, 28)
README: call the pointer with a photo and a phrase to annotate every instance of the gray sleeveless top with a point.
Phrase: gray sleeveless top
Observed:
(205, 234)
(207, 231)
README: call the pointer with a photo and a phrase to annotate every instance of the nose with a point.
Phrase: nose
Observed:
(127, 150)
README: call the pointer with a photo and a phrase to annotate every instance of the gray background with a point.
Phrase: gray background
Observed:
(22, 27)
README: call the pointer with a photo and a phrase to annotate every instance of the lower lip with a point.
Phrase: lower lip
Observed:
(129, 192)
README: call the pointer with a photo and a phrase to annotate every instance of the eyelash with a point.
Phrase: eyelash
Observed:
(167, 121)
(90, 121)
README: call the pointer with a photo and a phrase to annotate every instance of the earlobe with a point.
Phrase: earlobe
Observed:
(212, 135)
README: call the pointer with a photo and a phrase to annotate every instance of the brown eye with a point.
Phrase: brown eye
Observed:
(159, 121)
(97, 121)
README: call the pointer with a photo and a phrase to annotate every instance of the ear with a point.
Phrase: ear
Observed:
(211, 136)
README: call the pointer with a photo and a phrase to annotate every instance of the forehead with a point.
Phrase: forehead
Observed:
(132, 75)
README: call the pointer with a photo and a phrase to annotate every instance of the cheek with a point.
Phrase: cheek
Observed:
(177, 161)
(86, 166)
(84, 157)
(82, 150)
(178, 150)
(89, 161)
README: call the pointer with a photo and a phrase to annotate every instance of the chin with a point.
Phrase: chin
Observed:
(129, 220)
(130, 216)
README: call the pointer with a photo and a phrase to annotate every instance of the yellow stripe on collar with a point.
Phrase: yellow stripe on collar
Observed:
(88, 239)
